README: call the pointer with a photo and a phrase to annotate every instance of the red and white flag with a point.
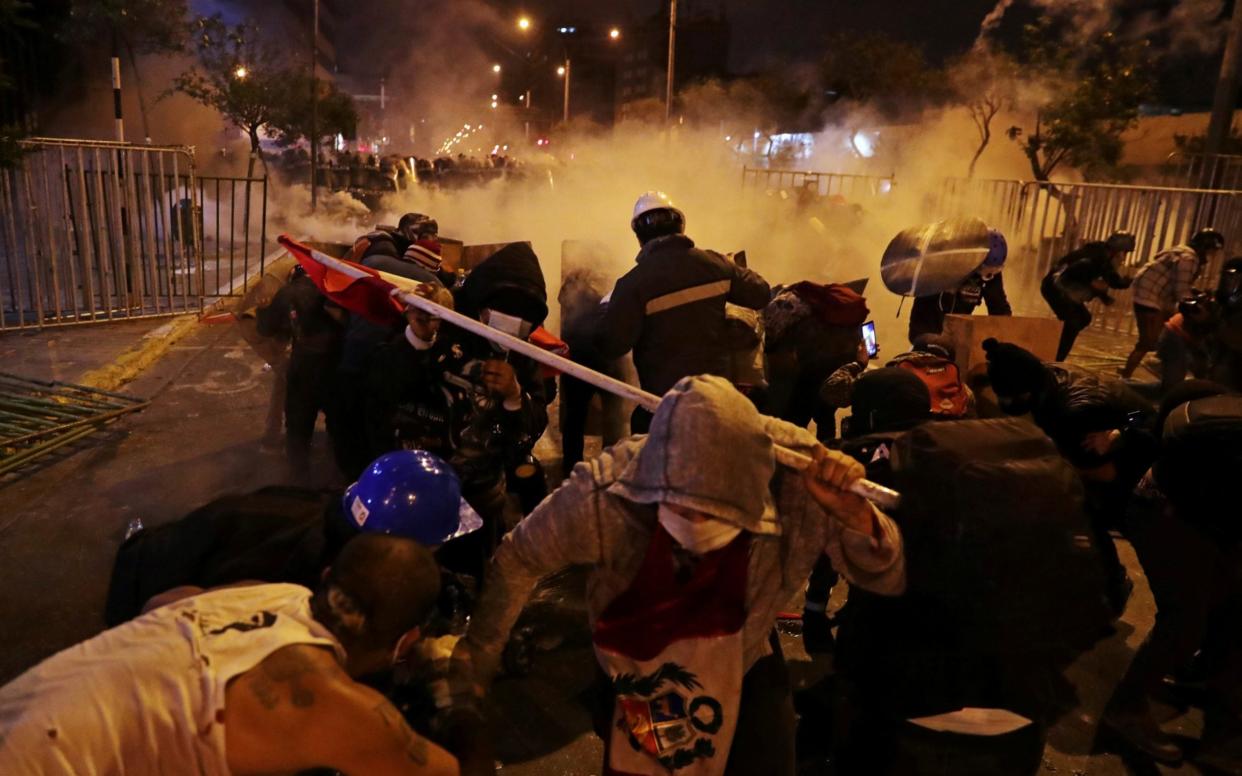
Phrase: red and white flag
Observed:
(369, 295)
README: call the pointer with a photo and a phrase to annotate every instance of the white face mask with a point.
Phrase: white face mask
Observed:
(509, 324)
(699, 538)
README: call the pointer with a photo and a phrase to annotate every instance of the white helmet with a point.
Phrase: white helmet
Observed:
(655, 215)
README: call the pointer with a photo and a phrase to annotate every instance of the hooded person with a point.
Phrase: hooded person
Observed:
(669, 309)
(886, 403)
(1100, 425)
(694, 539)
(984, 286)
(476, 405)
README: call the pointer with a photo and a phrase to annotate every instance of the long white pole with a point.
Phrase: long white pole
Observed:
(879, 495)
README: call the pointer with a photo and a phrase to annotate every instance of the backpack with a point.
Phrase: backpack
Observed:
(943, 380)
(996, 533)
(1200, 457)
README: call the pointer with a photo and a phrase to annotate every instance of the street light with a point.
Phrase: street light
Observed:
(614, 33)
(560, 70)
(495, 68)
(564, 72)
(523, 23)
(240, 72)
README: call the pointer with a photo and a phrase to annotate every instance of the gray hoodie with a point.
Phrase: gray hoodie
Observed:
(709, 450)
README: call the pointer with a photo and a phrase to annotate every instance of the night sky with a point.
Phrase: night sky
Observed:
(771, 30)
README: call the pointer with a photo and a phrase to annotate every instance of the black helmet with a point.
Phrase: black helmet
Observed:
(1120, 242)
(1206, 240)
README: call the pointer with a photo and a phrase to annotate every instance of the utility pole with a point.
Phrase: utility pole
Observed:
(565, 112)
(1223, 104)
(672, 54)
(116, 90)
(314, 122)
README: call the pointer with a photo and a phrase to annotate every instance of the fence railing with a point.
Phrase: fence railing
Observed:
(1044, 221)
(98, 231)
(1213, 171)
(821, 184)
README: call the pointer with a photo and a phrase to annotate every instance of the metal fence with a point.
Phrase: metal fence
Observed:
(822, 184)
(98, 231)
(1044, 221)
(1213, 171)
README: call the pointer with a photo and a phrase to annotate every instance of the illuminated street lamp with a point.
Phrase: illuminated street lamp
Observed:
(614, 33)
(240, 72)
(560, 70)
(496, 68)
(523, 23)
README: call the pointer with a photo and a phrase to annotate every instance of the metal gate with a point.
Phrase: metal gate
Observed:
(94, 231)
(823, 184)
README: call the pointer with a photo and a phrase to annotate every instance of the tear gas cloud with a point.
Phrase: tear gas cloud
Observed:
(1189, 25)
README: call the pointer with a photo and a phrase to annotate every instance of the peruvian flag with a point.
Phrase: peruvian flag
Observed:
(368, 295)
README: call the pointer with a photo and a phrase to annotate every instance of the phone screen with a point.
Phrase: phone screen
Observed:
(868, 335)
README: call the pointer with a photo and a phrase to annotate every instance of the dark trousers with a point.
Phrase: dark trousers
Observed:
(347, 424)
(306, 395)
(1074, 316)
(764, 740)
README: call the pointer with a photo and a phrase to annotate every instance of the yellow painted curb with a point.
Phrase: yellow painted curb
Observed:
(139, 357)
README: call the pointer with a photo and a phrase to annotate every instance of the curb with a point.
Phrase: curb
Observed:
(140, 356)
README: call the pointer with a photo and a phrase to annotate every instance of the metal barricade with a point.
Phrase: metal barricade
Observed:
(822, 184)
(232, 218)
(1215, 171)
(1045, 221)
(94, 231)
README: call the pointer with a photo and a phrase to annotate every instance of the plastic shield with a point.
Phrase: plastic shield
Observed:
(934, 258)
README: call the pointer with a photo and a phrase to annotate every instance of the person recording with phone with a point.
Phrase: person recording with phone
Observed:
(811, 331)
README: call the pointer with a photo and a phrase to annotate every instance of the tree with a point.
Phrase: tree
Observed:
(291, 119)
(238, 75)
(986, 83)
(137, 26)
(1095, 90)
(12, 17)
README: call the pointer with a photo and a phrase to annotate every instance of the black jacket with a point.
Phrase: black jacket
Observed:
(670, 310)
(433, 400)
(300, 312)
(275, 534)
(1074, 403)
(1077, 270)
(928, 312)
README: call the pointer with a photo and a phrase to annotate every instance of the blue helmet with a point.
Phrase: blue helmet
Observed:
(998, 249)
(410, 493)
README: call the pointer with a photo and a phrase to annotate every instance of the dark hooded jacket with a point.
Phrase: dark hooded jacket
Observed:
(670, 310)
(1074, 403)
(1077, 271)
(928, 312)
(433, 399)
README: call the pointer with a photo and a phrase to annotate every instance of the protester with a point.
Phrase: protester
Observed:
(670, 308)
(1227, 354)
(1081, 276)
(933, 360)
(1099, 425)
(1189, 551)
(810, 331)
(1162, 284)
(456, 394)
(581, 315)
(694, 540)
(984, 286)
(1186, 343)
(886, 403)
(315, 326)
(246, 680)
(410, 250)
(273, 349)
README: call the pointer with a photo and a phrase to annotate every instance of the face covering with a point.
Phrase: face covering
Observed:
(698, 538)
(509, 324)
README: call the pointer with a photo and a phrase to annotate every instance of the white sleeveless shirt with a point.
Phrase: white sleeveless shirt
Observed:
(147, 697)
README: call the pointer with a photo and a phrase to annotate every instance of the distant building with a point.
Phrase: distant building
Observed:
(702, 53)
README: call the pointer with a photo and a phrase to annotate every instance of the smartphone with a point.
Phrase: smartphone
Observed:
(868, 335)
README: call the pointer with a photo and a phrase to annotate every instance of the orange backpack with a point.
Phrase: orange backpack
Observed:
(949, 396)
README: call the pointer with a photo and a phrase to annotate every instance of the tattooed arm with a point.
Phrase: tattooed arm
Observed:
(298, 710)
